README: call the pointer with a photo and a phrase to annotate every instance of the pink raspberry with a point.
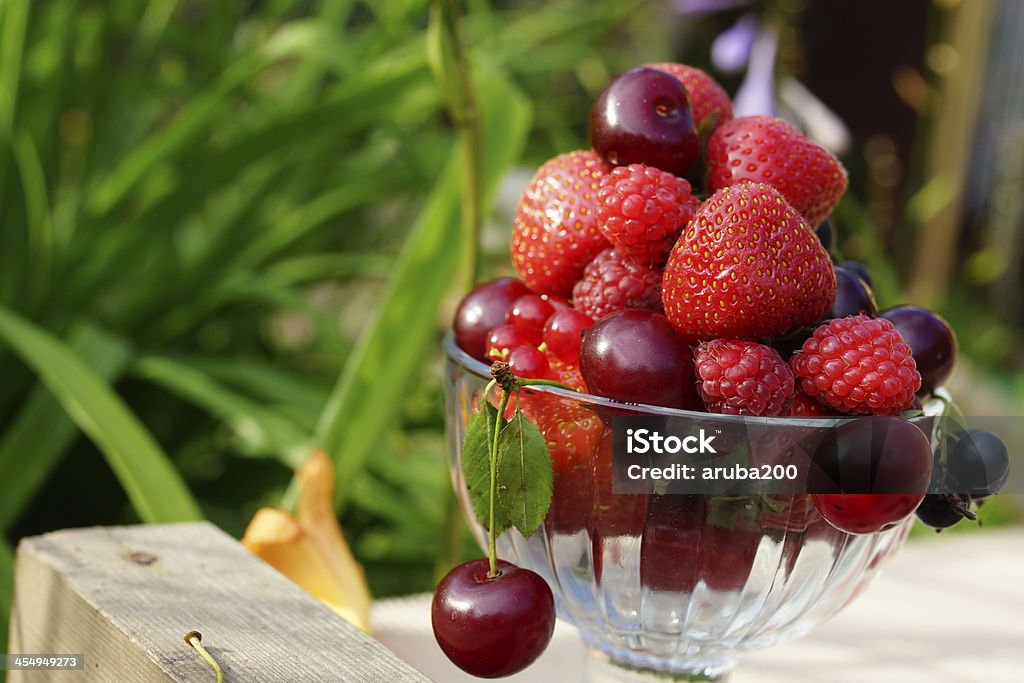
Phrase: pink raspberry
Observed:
(611, 284)
(858, 365)
(743, 378)
(642, 210)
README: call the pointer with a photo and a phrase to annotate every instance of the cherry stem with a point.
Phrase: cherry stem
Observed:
(492, 549)
(194, 639)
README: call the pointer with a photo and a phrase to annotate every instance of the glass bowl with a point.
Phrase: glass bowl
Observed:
(676, 585)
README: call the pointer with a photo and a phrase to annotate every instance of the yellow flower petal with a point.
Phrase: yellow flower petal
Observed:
(309, 548)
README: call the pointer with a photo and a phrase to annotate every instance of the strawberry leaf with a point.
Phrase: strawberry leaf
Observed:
(476, 467)
(524, 474)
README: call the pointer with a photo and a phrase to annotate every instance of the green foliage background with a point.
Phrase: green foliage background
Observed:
(230, 230)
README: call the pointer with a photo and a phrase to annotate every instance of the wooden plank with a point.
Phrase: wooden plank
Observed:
(125, 596)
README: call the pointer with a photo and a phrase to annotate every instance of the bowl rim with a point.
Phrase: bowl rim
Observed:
(479, 369)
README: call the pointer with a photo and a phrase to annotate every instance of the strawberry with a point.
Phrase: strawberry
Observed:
(707, 98)
(768, 150)
(747, 267)
(554, 234)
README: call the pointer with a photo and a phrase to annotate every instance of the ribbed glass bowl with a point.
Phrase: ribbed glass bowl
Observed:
(667, 584)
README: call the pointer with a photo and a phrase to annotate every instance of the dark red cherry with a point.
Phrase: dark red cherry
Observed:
(872, 475)
(644, 117)
(563, 334)
(943, 510)
(483, 309)
(931, 340)
(865, 513)
(636, 356)
(492, 627)
(853, 296)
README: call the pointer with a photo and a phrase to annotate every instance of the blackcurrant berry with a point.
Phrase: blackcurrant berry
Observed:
(483, 309)
(976, 463)
(943, 510)
(492, 626)
(644, 117)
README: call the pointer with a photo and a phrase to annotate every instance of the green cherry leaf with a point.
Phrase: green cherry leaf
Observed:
(524, 474)
(476, 467)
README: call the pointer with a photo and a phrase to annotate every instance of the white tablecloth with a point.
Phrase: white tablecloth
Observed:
(944, 609)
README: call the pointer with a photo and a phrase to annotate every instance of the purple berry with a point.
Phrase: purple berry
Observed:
(483, 309)
(853, 296)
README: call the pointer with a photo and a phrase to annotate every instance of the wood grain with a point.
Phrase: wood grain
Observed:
(125, 596)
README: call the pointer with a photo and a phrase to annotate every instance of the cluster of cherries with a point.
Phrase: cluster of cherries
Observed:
(617, 337)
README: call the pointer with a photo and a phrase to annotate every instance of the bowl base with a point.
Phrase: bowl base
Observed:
(631, 667)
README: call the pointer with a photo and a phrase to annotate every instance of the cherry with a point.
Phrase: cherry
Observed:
(644, 117)
(859, 269)
(872, 474)
(636, 356)
(865, 513)
(853, 296)
(943, 510)
(503, 339)
(528, 362)
(492, 626)
(977, 463)
(826, 234)
(531, 311)
(484, 308)
(563, 334)
(931, 340)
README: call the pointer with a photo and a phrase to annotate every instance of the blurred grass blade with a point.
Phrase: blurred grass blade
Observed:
(154, 488)
(260, 430)
(37, 203)
(34, 442)
(365, 402)
(14, 14)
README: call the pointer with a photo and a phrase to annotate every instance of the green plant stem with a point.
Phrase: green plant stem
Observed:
(195, 640)
(492, 549)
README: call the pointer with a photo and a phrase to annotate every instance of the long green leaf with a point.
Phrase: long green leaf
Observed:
(154, 487)
(261, 430)
(365, 402)
(34, 442)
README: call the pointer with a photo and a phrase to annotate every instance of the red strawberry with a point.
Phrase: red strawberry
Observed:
(573, 435)
(707, 98)
(642, 210)
(555, 235)
(747, 267)
(766, 149)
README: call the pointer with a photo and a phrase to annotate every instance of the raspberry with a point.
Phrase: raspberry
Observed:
(642, 210)
(743, 378)
(858, 365)
(611, 284)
